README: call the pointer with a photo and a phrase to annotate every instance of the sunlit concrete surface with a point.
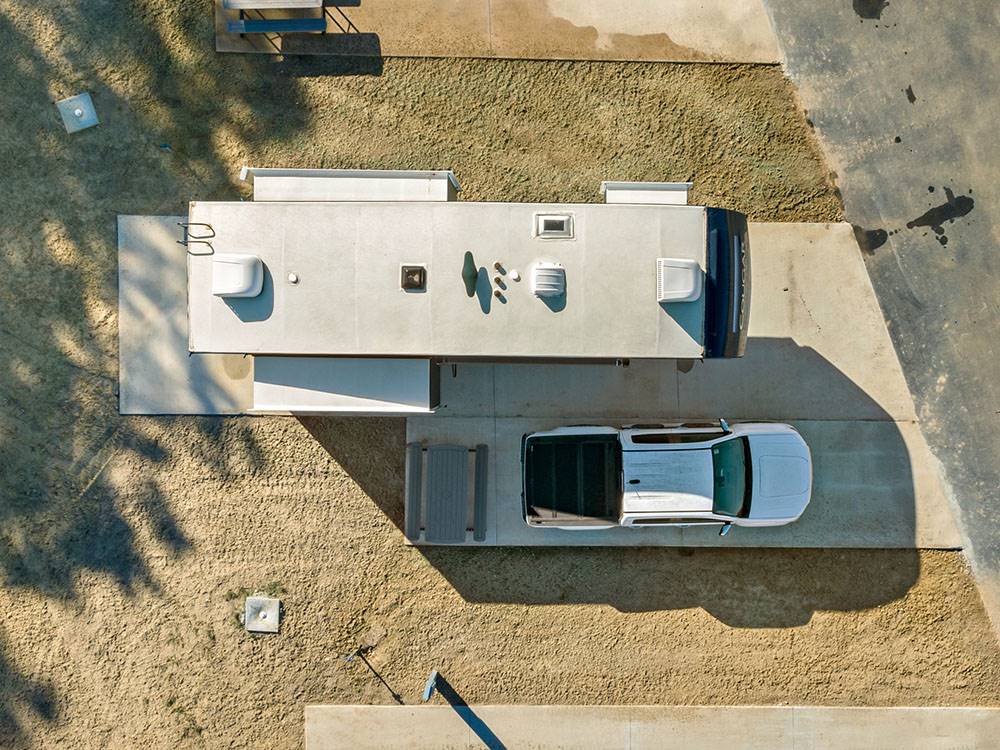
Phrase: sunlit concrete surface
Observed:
(644, 30)
(156, 375)
(641, 727)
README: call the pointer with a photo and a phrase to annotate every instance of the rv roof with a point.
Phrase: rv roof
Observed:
(347, 298)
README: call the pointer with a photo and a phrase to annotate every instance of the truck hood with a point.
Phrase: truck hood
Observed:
(782, 476)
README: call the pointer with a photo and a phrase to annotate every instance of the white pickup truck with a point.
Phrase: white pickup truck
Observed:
(679, 474)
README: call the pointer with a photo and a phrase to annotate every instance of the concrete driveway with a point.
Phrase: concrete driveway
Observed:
(904, 99)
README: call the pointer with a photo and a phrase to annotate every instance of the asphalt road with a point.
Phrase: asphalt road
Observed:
(904, 98)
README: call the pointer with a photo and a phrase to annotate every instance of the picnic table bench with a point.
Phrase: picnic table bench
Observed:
(244, 25)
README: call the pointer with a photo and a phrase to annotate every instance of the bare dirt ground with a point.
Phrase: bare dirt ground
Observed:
(126, 545)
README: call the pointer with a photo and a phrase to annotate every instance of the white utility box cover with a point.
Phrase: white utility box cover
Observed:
(77, 112)
(261, 614)
(237, 275)
(678, 280)
(658, 193)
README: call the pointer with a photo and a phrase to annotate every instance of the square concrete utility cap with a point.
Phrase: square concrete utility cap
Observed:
(261, 614)
(77, 112)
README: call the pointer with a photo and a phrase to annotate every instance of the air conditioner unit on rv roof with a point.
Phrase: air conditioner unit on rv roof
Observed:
(678, 280)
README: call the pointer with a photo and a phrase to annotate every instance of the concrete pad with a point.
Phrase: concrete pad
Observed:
(524, 390)
(77, 112)
(681, 30)
(818, 345)
(875, 485)
(156, 374)
(647, 727)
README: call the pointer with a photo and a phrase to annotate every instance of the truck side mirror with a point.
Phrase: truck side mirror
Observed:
(724, 425)
(725, 529)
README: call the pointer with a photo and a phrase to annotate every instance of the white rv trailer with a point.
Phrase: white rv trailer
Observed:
(373, 265)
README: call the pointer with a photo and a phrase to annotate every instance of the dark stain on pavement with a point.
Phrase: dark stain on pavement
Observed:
(910, 96)
(869, 240)
(870, 9)
(935, 217)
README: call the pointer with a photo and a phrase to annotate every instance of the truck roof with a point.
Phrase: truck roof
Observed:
(667, 481)
(347, 258)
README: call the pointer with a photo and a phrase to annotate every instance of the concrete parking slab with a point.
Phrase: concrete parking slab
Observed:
(818, 349)
(156, 374)
(641, 727)
(875, 485)
(643, 30)
(819, 355)
(818, 346)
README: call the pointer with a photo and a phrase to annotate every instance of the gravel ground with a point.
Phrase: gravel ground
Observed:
(126, 545)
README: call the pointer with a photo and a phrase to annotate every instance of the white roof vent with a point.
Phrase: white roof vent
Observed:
(678, 280)
(237, 275)
(548, 280)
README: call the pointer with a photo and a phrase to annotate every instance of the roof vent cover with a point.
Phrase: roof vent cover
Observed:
(548, 280)
(678, 280)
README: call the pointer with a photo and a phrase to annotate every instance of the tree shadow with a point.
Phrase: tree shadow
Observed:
(34, 695)
(62, 511)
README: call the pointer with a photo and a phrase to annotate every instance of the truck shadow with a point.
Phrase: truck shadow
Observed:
(866, 471)
(743, 588)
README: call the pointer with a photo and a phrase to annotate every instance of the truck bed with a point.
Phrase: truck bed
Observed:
(572, 479)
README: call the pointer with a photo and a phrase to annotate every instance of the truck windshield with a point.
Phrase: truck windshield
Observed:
(731, 477)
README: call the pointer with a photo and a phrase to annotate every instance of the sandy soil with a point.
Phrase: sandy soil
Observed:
(126, 544)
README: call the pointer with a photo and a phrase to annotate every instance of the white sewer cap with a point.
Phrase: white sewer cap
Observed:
(237, 275)
(678, 280)
(548, 280)
(261, 614)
